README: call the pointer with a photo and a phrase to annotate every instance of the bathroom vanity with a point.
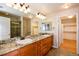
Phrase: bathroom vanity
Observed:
(38, 47)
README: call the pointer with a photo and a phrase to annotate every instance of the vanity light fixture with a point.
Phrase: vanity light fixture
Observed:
(23, 7)
(20, 6)
(41, 16)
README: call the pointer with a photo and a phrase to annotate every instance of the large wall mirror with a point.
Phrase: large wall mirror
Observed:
(13, 24)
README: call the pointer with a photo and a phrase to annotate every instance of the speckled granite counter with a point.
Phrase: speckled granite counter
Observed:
(6, 48)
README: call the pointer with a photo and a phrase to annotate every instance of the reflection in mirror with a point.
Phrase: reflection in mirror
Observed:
(46, 26)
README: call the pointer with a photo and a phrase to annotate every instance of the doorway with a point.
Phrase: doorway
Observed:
(69, 34)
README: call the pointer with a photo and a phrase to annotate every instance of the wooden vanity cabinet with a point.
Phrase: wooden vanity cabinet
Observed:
(38, 48)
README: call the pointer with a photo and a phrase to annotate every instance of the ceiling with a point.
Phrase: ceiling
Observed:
(44, 8)
(48, 8)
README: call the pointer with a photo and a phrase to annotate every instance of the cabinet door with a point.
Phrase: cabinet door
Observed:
(39, 51)
(38, 48)
(49, 42)
(27, 50)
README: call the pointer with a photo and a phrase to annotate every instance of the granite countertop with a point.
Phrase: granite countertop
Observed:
(6, 48)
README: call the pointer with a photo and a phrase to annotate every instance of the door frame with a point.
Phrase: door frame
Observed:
(76, 32)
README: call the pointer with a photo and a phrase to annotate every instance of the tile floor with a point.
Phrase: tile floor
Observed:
(67, 48)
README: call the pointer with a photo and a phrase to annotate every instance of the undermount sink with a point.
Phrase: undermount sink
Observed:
(25, 41)
(45, 35)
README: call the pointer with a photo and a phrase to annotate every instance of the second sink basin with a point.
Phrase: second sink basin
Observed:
(25, 41)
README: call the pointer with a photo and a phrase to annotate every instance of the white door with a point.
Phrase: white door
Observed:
(4, 28)
(60, 33)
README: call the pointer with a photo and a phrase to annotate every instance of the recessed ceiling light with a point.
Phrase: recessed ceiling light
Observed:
(67, 6)
(70, 16)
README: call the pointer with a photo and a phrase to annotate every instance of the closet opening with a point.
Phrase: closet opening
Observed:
(69, 29)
